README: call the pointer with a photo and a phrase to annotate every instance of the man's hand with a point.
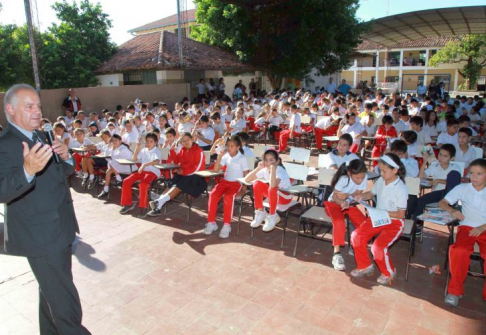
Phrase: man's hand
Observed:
(61, 149)
(477, 231)
(35, 159)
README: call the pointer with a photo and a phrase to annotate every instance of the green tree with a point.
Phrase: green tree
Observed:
(72, 50)
(471, 49)
(286, 38)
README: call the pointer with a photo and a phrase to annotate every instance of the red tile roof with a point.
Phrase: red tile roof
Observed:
(166, 21)
(436, 41)
(142, 52)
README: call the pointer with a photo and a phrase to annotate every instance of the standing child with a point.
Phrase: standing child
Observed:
(191, 159)
(472, 228)
(349, 181)
(384, 133)
(228, 187)
(147, 172)
(391, 196)
(272, 179)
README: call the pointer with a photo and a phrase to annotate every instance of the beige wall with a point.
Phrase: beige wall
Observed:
(94, 99)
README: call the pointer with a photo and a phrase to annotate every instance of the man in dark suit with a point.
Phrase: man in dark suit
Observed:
(40, 222)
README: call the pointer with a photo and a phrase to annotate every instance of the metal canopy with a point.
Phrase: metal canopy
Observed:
(400, 28)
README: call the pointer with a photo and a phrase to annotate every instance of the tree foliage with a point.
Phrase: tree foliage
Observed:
(287, 38)
(67, 53)
(471, 49)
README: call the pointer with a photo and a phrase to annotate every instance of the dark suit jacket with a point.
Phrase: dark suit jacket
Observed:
(40, 218)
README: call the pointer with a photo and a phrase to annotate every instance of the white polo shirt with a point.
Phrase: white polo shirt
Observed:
(436, 171)
(391, 197)
(353, 130)
(73, 143)
(131, 137)
(275, 121)
(423, 138)
(147, 156)
(208, 134)
(400, 126)
(281, 174)
(335, 159)
(295, 122)
(226, 117)
(412, 149)
(466, 157)
(431, 130)
(235, 166)
(411, 167)
(473, 204)
(444, 138)
(346, 185)
(248, 152)
(237, 126)
(219, 127)
(323, 123)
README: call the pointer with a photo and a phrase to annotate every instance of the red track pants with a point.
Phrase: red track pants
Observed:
(77, 159)
(459, 259)
(338, 221)
(321, 132)
(284, 138)
(274, 196)
(387, 236)
(145, 179)
(228, 190)
(377, 151)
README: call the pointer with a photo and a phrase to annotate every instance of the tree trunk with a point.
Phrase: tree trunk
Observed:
(468, 79)
(275, 80)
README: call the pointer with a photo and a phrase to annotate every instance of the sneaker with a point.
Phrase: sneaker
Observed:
(260, 216)
(143, 213)
(418, 231)
(270, 222)
(126, 209)
(154, 212)
(117, 183)
(153, 204)
(92, 184)
(210, 227)
(84, 182)
(80, 174)
(338, 262)
(452, 300)
(385, 280)
(102, 194)
(363, 272)
(225, 231)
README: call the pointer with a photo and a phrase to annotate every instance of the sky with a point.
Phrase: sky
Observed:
(126, 14)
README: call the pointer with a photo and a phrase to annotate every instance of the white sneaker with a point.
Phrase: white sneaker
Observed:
(260, 216)
(338, 262)
(225, 231)
(270, 222)
(452, 300)
(210, 227)
(385, 280)
(80, 174)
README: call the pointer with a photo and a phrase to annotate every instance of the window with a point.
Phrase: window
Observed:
(392, 79)
(140, 78)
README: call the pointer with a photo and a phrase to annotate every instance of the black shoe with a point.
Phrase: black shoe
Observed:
(102, 194)
(118, 183)
(126, 209)
(154, 212)
(92, 183)
(84, 182)
(418, 230)
(143, 213)
(153, 204)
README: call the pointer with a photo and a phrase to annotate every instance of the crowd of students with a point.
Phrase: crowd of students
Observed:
(410, 136)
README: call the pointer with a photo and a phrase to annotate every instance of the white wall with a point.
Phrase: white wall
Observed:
(320, 80)
(111, 79)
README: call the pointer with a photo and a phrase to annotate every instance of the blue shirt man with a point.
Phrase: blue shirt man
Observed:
(344, 87)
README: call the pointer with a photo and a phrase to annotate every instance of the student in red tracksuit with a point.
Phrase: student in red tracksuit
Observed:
(349, 181)
(270, 178)
(147, 172)
(327, 127)
(472, 228)
(391, 196)
(228, 187)
(294, 129)
(191, 159)
(384, 132)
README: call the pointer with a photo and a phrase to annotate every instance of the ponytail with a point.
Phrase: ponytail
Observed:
(352, 167)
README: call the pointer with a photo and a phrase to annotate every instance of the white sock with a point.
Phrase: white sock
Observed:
(162, 201)
(85, 175)
(118, 177)
(106, 189)
(91, 177)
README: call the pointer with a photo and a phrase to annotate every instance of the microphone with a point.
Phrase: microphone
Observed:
(50, 140)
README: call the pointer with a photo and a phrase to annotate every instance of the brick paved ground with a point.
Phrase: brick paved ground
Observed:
(164, 276)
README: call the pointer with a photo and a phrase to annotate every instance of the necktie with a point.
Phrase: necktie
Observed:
(35, 138)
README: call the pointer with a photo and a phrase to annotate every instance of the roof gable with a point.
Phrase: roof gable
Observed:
(166, 21)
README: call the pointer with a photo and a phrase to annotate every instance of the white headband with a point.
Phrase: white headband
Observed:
(387, 159)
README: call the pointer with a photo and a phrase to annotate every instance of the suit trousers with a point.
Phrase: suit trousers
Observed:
(59, 305)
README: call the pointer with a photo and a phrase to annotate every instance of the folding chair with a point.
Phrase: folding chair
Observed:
(479, 152)
(316, 213)
(299, 173)
(240, 201)
(413, 187)
(259, 150)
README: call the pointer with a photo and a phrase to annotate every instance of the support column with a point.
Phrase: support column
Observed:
(377, 67)
(456, 79)
(355, 77)
(401, 58)
(427, 57)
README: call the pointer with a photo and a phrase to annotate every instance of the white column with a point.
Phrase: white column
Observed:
(400, 74)
(355, 77)
(456, 79)
(427, 57)
(425, 78)
(401, 58)
(377, 67)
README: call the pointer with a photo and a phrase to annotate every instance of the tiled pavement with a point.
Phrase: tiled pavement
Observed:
(163, 276)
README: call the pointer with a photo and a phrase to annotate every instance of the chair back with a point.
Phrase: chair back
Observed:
(297, 171)
(459, 166)
(133, 146)
(479, 152)
(300, 155)
(164, 153)
(259, 149)
(413, 185)
(207, 157)
(251, 162)
(378, 121)
(323, 161)
(320, 117)
(305, 119)
(325, 176)
(95, 139)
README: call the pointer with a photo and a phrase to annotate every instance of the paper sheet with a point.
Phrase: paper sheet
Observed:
(379, 217)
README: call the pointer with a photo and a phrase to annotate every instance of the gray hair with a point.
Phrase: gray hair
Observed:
(10, 97)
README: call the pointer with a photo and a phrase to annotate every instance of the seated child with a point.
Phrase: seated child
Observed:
(78, 142)
(274, 120)
(218, 125)
(239, 123)
(391, 196)
(464, 152)
(203, 133)
(228, 187)
(449, 136)
(384, 133)
(191, 159)
(90, 163)
(270, 178)
(349, 181)
(341, 154)
(147, 172)
(410, 137)
(472, 228)
(423, 138)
